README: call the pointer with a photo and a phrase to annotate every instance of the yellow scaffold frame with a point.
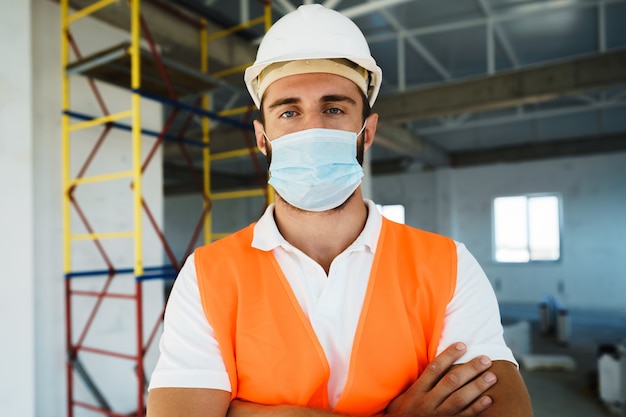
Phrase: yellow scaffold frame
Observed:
(67, 128)
(134, 174)
(268, 191)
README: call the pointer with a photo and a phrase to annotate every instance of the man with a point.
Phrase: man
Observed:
(323, 307)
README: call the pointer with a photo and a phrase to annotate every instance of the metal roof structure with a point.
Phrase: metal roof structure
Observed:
(464, 81)
(515, 79)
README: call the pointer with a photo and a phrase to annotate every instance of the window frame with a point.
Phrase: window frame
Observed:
(528, 196)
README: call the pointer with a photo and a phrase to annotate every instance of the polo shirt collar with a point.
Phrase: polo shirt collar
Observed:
(267, 237)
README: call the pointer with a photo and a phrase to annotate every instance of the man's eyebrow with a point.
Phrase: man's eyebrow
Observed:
(337, 98)
(329, 98)
(283, 101)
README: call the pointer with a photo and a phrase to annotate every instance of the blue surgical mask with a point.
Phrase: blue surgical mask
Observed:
(315, 169)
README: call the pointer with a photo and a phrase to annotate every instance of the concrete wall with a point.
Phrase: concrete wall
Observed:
(593, 189)
(17, 246)
(32, 300)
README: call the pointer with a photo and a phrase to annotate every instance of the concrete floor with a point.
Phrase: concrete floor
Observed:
(560, 394)
(569, 393)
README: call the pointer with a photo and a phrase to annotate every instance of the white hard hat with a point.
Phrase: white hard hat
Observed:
(313, 32)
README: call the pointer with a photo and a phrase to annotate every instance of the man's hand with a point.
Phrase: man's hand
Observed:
(444, 390)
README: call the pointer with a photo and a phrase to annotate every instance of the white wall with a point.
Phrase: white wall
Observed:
(32, 301)
(591, 273)
(17, 254)
(416, 192)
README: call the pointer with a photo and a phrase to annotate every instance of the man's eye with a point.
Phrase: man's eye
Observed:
(288, 114)
(334, 110)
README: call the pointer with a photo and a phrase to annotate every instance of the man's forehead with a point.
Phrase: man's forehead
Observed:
(320, 87)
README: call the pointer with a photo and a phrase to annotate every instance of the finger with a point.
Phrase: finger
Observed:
(461, 374)
(477, 407)
(438, 367)
(457, 377)
(470, 397)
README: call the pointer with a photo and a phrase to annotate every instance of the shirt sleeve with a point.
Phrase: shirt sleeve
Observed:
(473, 315)
(189, 353)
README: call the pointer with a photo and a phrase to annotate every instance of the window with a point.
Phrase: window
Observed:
(527, 228)
(394, 212)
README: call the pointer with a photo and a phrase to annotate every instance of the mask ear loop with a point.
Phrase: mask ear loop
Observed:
(362, 129)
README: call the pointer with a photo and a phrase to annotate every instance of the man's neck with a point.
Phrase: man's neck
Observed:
(322, 235)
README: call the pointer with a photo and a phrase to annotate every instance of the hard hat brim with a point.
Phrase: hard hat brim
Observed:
(253, 71)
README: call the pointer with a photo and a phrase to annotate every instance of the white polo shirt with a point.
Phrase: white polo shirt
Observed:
(190, 355)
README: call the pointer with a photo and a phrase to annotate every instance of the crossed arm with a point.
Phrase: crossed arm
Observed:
(479, 387)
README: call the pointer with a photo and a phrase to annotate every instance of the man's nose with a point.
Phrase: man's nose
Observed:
(314, 120)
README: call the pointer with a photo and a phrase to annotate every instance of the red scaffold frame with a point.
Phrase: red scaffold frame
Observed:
(75, 340)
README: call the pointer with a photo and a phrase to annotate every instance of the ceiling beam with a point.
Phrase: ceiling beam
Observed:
(506, 89)
(522, 115)
(544, 150)
(371, 7)
(401, 140)
(331, 4)
(286, 5)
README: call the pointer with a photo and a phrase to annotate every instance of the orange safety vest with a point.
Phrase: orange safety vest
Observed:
(270, 350)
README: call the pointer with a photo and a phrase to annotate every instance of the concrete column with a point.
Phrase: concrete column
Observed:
(17, 306)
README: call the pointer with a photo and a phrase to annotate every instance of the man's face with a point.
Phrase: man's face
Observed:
(307, 101)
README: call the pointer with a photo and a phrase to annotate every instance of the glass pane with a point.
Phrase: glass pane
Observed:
(543, 232)
(511, 229)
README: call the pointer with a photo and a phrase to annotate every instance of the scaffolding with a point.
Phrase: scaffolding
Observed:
(144, 75)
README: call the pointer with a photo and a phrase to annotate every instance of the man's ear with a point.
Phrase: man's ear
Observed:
(370, 130)
(259, 134)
